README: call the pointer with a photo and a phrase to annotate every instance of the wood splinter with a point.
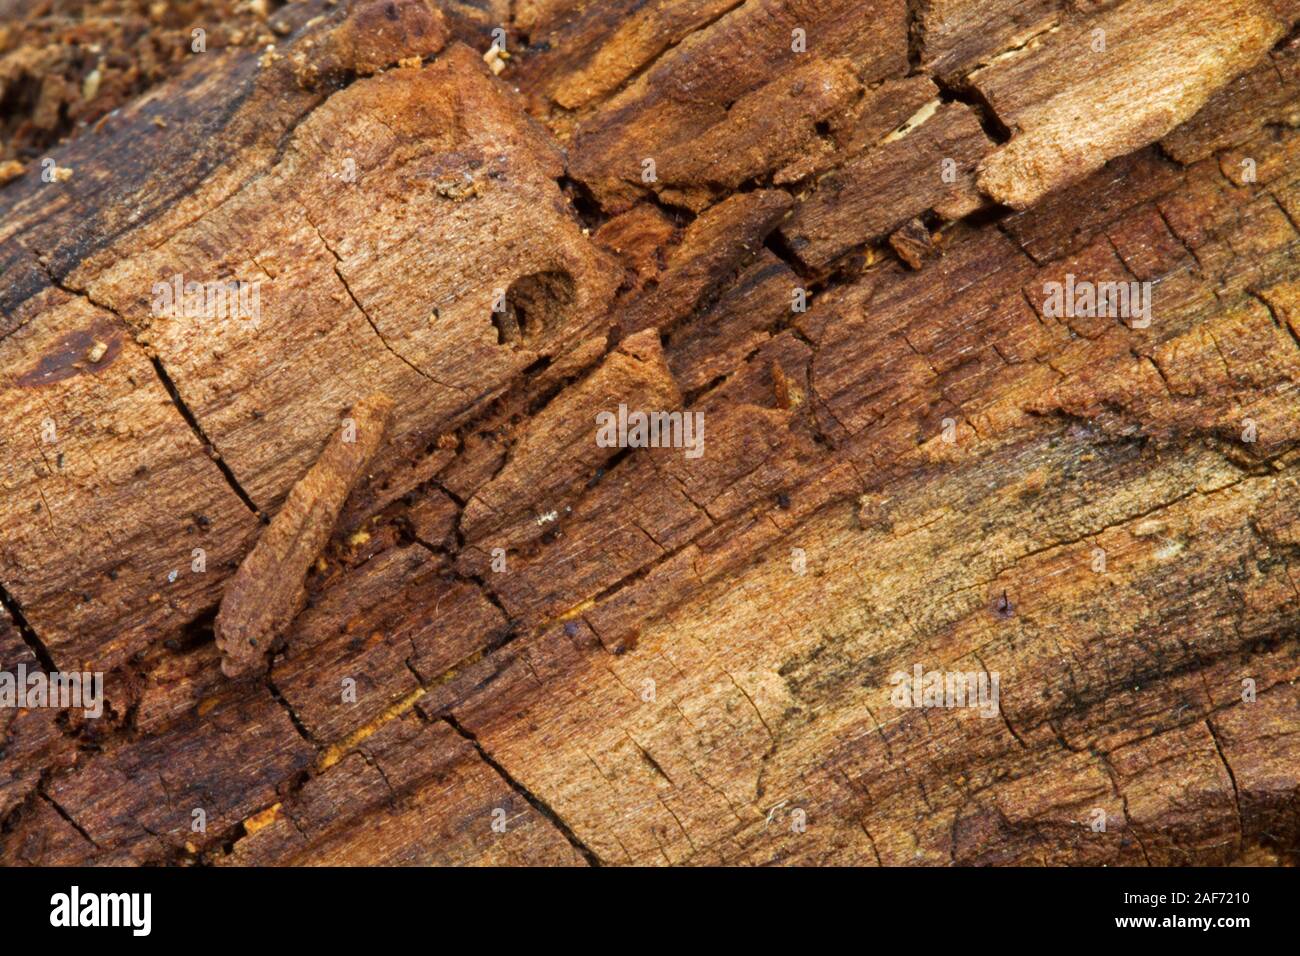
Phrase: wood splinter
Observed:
(268, 591)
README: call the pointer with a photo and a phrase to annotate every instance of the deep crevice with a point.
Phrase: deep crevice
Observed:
(202, 436)
(208, 447)
(293, 716)
(915, 35)
(779, 246)
(67, 817)
(26, 631)
(968, 94)
(583, 202)
(534, 801)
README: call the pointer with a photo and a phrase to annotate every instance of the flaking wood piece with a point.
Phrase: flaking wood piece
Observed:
(1105, 86)
(267, 592)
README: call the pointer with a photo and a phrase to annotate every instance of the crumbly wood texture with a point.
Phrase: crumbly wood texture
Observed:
(827, 227)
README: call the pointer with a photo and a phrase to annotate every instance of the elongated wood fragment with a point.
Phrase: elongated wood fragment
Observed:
(267, 591)
(930, 165)
(1143, 68)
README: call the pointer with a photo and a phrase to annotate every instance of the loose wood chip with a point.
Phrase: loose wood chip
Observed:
(267, 591)
(914, 243)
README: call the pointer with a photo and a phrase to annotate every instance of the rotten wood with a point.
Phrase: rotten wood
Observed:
(488, 639)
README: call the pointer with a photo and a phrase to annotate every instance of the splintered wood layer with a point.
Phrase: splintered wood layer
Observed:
(522, 648)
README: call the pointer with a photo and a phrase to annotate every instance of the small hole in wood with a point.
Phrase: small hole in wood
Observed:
(535, 304)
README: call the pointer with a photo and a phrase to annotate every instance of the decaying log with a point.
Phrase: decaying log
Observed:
(840, 233)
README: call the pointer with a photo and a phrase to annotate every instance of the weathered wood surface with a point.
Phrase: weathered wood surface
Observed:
(520, 647)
